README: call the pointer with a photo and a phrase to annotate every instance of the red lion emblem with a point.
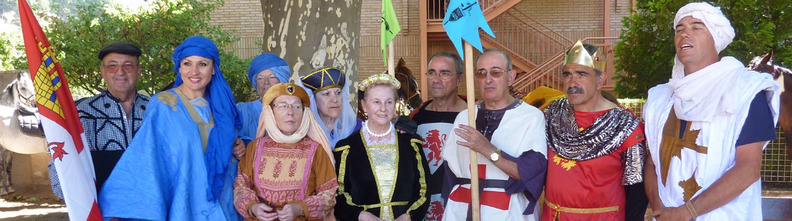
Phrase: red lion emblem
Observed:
(433, 142)
(435, 211)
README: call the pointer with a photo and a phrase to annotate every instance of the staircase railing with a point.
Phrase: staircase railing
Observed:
(526, 38)
(534, 47)
(548, 73)
(437, 8)
(488, 5)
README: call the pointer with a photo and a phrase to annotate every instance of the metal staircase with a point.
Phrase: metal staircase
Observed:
(536, 50)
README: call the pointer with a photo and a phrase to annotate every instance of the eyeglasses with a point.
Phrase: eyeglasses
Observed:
(442, 74)
(285, 106)
(494, 72)
(127, 67)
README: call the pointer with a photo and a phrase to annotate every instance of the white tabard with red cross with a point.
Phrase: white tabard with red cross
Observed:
(521, 129)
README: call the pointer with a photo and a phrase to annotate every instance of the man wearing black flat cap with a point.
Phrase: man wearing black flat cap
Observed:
(112, 117)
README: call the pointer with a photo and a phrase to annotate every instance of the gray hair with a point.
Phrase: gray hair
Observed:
(458, 65)
(508, 59)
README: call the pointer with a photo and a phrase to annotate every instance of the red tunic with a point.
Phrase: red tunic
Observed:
(590, 184)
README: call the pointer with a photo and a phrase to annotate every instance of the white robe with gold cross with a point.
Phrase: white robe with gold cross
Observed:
(719, 136)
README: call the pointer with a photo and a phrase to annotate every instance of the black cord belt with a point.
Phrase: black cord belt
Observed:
(483, 183)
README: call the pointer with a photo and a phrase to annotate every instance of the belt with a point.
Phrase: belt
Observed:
(484, 183)
(558, 209)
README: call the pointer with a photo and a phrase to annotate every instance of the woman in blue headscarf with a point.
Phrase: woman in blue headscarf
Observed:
(330, 93)
(179, 164)
(265, 70)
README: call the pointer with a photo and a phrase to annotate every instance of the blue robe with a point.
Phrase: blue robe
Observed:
(249, 112)
(162, 174)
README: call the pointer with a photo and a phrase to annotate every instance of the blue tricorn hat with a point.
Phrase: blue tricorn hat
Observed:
(324, 78)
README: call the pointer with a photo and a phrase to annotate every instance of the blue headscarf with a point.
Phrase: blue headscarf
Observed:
(224, 112)
(268, 61)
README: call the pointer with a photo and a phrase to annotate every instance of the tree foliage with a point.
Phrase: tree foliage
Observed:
(12, 51)
(157, 28)
(57, 7)
(12, 48)
(646, 51)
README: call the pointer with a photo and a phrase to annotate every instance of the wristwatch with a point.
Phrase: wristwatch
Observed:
(495, 156)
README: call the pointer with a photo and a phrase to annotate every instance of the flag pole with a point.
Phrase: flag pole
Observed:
(60, 121)
(389, 29)
(471, 105)
(462, 22)
(391, 60)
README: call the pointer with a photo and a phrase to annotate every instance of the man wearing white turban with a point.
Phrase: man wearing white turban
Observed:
(706, 128)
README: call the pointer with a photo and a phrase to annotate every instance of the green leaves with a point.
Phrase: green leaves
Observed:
(646, 52)
(646, 49)
(12, 51)
(157, 28)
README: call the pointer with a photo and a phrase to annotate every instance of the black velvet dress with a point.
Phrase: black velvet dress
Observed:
(358, 187)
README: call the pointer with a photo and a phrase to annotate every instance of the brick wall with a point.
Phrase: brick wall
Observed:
(246, 18)
(406, 44)
(575, 19)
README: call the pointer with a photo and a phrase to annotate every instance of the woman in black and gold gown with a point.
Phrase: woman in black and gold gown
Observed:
(381, 173)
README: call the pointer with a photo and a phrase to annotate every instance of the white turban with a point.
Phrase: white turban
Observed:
(719, 26)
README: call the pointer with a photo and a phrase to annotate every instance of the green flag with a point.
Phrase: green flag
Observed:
(390, 27)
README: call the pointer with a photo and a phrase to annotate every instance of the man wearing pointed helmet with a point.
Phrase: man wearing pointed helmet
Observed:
(595, 147)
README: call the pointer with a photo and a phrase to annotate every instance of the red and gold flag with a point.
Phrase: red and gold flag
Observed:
(59, 119)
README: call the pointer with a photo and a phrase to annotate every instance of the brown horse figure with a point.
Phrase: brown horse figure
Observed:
(409, 86)
(783, 76)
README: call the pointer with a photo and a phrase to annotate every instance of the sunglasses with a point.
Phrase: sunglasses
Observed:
(494, 72)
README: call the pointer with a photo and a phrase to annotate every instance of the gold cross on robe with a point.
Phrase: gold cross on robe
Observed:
(690, 187)
(671, 146)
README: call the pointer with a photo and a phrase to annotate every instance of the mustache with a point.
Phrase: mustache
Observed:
(575, 90)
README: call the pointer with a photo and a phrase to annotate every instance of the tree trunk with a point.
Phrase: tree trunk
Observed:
(313, 34)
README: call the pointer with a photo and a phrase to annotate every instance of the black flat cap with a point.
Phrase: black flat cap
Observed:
(121, 48)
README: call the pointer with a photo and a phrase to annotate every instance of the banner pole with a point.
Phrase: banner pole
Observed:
(391, 60)
(471, 105)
